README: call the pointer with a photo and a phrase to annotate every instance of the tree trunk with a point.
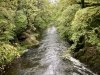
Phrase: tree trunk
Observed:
(82, 2)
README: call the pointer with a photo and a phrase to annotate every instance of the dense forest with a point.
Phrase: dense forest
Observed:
(79, 23)
(21, 24)
(23, 21)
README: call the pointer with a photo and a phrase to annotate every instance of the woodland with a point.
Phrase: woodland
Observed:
(77, 21)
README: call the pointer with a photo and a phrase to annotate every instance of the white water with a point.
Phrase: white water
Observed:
(46, 60)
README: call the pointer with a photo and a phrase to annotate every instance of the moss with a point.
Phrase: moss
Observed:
(29, 41)
(97, 64)
(91, 59)
(26, 34)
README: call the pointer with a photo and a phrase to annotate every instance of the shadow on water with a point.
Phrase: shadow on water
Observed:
(45, 60)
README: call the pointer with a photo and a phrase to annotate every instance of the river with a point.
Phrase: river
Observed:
(46, 59)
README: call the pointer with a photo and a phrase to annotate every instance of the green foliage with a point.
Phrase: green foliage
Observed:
(20, 19)
(93, 1)
(21, 22)
(75, 23)
(7, 53)
(36, 35)
(81, 27)
(84, 25)
(6, 25)
(64, 3)
(64, 21)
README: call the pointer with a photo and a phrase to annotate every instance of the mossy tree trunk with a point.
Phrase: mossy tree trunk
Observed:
(83, 4)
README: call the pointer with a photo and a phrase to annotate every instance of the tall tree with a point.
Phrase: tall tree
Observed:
(82, 2)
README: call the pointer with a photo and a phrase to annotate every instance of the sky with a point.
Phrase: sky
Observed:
(53, 1)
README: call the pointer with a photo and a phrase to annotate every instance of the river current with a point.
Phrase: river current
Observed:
(47, 60)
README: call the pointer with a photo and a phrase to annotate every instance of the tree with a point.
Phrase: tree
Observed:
(82, 2)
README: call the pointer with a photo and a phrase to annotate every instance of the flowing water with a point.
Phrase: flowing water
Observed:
(46, 59)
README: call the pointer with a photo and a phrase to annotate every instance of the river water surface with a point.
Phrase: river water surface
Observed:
(46, 59)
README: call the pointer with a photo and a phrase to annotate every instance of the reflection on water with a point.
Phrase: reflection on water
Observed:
(46, 60)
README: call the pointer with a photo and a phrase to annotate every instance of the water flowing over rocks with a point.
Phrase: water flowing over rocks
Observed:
(46, 59)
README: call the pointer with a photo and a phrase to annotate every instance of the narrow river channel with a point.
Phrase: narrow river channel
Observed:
(46, 59)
